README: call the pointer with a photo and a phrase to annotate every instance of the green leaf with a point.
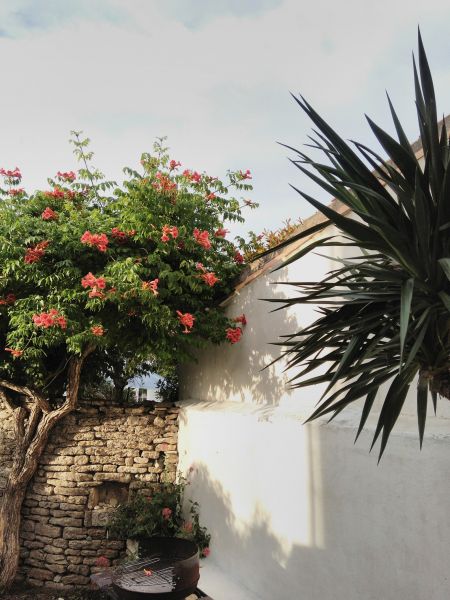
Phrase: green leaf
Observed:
(405, 310)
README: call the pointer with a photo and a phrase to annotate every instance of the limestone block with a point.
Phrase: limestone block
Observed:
(51, 549)
(40, 574)
(74, 533)
(56, 568)
(55, 585)
(34, 582)
(50, 531)
(121, 477)
(75, 580)
(79, 569)
(131, 470)
(66, 521)
(159, 422)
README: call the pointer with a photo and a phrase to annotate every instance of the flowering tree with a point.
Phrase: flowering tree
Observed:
(88, 268)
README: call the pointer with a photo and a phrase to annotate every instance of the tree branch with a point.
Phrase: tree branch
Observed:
(34, 395)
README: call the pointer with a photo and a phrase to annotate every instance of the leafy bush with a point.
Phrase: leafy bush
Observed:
(160, 514)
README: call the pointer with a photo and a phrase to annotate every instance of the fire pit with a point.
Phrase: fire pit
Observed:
(170, 570)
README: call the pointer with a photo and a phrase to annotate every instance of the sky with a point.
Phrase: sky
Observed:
(214, 76)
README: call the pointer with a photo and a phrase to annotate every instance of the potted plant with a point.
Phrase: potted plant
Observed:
(161, 514)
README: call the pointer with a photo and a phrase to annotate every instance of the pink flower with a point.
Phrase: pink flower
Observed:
(245, 175)
(187, 320)
(233, 334)
(66, 176)
(169, 230)
(151, 285)
(35, 253)
(210, 278)
(187, 527)
(95, 240)
(49, 214)
(174, 164)
(221, 232)
(166, 513)
(102, 561)
(206, 552)
(202, 238)
(97, 330)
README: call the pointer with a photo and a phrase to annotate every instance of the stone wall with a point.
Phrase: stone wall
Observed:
(95, 457)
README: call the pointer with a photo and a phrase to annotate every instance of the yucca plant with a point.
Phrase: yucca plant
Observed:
(385, 312)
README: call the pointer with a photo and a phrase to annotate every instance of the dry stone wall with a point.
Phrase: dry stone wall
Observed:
(94, 459)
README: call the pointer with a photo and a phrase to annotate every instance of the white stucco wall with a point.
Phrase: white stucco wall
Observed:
(300, 512)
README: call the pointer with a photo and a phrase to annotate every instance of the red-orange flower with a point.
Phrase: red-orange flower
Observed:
(56, 193)
(166, 513)
(91, 281)
(169, 230)
(164, 183)
(13, 174)
(210, 196)
(202, 238)
(66, 176)
(152, 286)
(240, 319)
(102, 561)
(8, 299)
(15, 353)
(192, 176)
(210, 278)
(35, 253)
(97, 330)
(187, 320)
(49, 215)
(16, 191)
(50, 319)
(238, 258)
(233, 334)
(174, 164)
(95, 240)
(221, 232)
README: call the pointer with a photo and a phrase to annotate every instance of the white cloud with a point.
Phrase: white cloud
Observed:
(219, 90)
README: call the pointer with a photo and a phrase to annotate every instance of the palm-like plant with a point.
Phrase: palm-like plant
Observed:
(385, 313)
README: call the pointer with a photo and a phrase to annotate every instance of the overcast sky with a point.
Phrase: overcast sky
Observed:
(212, 75)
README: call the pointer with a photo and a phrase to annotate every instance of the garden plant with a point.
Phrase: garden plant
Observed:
(384, 314)
(161, 514)
(93, 272)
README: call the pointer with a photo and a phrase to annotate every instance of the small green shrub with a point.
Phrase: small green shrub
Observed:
(160, 514)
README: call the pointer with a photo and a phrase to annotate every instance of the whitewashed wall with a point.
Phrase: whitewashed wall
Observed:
(300, 512)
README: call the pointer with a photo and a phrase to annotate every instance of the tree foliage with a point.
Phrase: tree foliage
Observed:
(137, 270)
(383, 314)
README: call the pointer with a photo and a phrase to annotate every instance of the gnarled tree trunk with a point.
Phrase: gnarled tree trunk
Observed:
(33, 421)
